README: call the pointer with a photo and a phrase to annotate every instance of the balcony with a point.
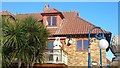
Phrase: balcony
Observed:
(55, 56)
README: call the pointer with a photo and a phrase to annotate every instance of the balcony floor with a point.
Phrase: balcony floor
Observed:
(46, 65)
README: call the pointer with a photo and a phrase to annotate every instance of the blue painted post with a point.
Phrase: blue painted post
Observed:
(101, 53)
(89, 58)
(100, 58)
(89, 55)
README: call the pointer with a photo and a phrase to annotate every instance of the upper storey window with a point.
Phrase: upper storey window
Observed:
(54, 21)
(48, 21)
(51, 21)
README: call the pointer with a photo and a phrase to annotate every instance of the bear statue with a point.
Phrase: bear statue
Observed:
(57, 45)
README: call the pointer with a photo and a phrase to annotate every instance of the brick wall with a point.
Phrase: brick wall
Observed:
(44, 20)
(58, 20)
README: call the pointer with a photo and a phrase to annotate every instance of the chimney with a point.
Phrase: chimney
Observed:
(76, 11)
(46, 8)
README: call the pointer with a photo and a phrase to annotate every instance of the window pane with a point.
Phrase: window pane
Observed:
(50, 45)
(86, 44)
(48, 20)
(79, 45)
(53, 21)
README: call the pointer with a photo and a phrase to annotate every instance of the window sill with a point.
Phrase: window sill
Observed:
(82, 50)
(52, 27)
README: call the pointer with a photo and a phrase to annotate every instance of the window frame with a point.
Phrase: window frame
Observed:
(79, 47)
(82, 44)
(48, 45)
(85, 45)
(51, 21)
(52, 40)
(54, 17)
(48, 24)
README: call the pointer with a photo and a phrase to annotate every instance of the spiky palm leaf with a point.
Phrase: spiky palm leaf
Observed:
(13, 39)
(24, 40)
(37, 36)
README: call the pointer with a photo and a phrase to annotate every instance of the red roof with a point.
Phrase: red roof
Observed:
(52, 30)
(5, 12)
(52, 10)
(73, 24)
(37, 16)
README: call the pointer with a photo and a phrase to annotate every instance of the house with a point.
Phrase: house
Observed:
(69, 27)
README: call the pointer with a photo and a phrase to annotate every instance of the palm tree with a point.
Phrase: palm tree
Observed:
(13, 41)
(37, 36)
(0, 42)
(23, 41)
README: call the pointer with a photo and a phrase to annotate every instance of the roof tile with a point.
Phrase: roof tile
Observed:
(52, 10)
(5, 12)
(71, 24)
(37, 16)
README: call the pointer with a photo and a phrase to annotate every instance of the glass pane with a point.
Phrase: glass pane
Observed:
(86, 44)
(79, 45)
(53, 21)
(48, 20)
(50, 45)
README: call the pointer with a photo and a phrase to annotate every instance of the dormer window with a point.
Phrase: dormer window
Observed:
(48, 21)
(54, 21)
(51, 21)
(51, 17)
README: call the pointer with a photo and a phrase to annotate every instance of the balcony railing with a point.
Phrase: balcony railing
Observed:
(55, 56)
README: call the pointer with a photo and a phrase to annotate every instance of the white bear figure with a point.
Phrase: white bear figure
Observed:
(57, 53)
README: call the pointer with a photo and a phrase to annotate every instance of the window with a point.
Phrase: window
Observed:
(86, 44)
(79, 45)
(82, 44)
(50, 45)
(48, 20)
(51, 21)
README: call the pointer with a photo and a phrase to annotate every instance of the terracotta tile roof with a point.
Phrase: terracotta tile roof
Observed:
(52, 30)
(52, 10)
(73, 24)
(5, 12)
(37, 16)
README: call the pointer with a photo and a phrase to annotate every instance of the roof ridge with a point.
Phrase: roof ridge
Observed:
(26, 14)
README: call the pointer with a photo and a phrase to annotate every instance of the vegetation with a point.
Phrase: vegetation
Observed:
(0, 54)
(23, 42)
